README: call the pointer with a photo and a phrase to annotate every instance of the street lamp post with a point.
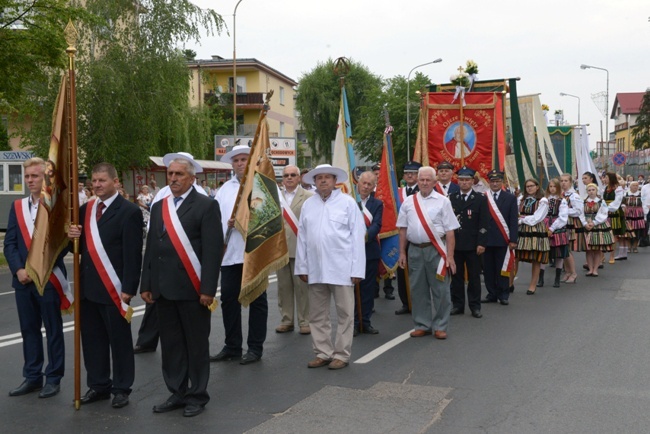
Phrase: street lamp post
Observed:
(408, 111)
(573, 96)
(234, 73)
(583, 66)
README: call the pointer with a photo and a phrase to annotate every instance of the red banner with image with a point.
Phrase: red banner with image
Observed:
(470, 135)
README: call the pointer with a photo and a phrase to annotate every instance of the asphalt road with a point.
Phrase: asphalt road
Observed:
(567, 360)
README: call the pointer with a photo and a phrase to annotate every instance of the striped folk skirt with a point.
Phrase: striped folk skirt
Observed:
(533, 243)
(600, 238)
(617, 222)
(634, 222)
(559, 240)
(577, 235)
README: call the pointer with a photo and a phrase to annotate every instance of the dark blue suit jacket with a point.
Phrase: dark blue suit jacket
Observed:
(376, 208)
(15, 251)
(507, 204)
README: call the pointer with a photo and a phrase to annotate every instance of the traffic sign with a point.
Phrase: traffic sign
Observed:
(618, 159)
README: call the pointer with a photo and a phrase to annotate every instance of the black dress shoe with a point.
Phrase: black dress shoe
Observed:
(504, 302)
(456, 311)
(370, 330)
(26, 388)
(477, 314)
(138, 349)
(403, 311)
(49, 390)
(225, 356)
(511, 288)
(168, 405)
(92, 396)
(488, 300)
(389, 297)
(245, 360)
(120, 400)
(192, 410)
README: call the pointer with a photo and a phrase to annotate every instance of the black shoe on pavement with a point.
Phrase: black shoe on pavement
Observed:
(225, 356)
(120, 400)
(370, 330)
(192, 410)
(247, 359)
(25, 388)
(93, 396)
(477, 314)
(167, 406)
(456, 311)
(49, 390)
(504, 302)
(403, 311)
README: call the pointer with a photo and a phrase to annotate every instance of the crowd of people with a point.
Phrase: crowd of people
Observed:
(450, 233)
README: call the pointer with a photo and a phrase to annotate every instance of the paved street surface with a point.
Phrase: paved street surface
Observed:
(566, 360)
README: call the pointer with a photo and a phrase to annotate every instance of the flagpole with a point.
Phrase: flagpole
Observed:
(71, 38)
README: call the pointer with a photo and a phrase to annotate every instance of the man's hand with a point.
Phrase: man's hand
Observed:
(512, 246)
(231, 223)
(206, 300)
(451, 264)
(356, 280)
(480, 250)
(304, 278)
(146, 296)
(402, 261)
(126, 298)
(74, 231)
(23, 277)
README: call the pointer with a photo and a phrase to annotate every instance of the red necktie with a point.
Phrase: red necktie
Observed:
(100, 210)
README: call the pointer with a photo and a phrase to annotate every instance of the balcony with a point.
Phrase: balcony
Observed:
(245, 100)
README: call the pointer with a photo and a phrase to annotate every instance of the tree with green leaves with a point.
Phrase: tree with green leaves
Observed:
(318, 102)
(641, 130)
(133, 84)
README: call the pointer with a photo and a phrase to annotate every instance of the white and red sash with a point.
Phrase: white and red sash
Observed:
(102, 262)
(181, 242)
(439, 189)
(437, 242)
(401, 193)
(367, 215)
(288, 214)
(57, 279)
(509, 261)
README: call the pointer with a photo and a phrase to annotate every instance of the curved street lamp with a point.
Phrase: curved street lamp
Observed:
(583, 66)
(573, 96)
(408, 111)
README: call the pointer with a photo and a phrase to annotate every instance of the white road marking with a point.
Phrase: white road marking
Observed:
(381, 350)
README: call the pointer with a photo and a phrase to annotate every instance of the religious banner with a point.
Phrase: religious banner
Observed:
(343, 154)
(386, 191)
(562, 139)
(465, 131)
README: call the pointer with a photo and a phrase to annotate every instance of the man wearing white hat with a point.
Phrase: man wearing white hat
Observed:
(165, 191)
(330, 257)
(231, 274)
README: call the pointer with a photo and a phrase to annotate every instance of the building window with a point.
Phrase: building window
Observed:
(281, 128)
(241, 84)
(281, 97)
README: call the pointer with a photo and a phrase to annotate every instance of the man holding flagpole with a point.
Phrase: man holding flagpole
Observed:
(111, 259)
(34, 309)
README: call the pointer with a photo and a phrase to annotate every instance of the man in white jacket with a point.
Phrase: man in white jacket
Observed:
(330, 257)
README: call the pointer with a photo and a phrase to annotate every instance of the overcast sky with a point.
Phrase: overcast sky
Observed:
(543, 43)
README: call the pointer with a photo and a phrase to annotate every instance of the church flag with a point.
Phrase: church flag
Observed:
(343, 154)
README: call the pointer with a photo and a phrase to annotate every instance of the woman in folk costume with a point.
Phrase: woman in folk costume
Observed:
(574, 228)
(556, 220)
(634, 218)
(598, 235)
(533, 244)
(613, 196)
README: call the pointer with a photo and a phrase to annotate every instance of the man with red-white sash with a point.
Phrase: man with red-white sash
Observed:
(498, 259)
(293, 293)
(180, 274)
(35, 310)
(427, 223)
(111, 258)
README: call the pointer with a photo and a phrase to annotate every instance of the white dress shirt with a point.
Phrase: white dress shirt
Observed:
(226, 196)
(437, 209)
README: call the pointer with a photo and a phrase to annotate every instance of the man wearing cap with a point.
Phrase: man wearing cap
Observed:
(305, 186)
(291, 290)
(444, 185)
(501, 240)
(471, 237)
(232, 267)
(330, 257)
(372, 210)
(180, 274)
(411, 178)
(427, 223)
(148, 332)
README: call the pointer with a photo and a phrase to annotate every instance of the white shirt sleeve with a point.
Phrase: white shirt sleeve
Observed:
(616, 204)
(540, 214)
(562, 217)
(603, 212)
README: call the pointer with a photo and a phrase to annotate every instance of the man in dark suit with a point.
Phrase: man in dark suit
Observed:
(498, 246)
(372, 210)
(180, 273)
(111, 257)
(472, 214)
(445, 171)
(34, 310)
(411, 178)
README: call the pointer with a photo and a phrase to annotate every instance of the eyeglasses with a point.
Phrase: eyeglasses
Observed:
(289, 175)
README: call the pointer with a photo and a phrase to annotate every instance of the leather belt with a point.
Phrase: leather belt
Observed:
(421, 246)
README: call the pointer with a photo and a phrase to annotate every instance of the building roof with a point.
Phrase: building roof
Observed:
(206, 164)
(630, 103)
(218, 62)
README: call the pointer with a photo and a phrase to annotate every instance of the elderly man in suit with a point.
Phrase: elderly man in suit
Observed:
(181, 274)
(34, 310)
(111, 258)
(501, 240)
(372, 210)
(293, 293)
(471, 237)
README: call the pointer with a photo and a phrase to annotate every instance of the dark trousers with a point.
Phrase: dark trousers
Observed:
(106, 335)
(496, 284)
(367, 289)
(258, 313)
(35, 310)
(184, 331)
(148, 332)
(401, 285)
(469, 259)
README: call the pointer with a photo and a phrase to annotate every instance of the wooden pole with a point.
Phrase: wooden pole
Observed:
(71, 38)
